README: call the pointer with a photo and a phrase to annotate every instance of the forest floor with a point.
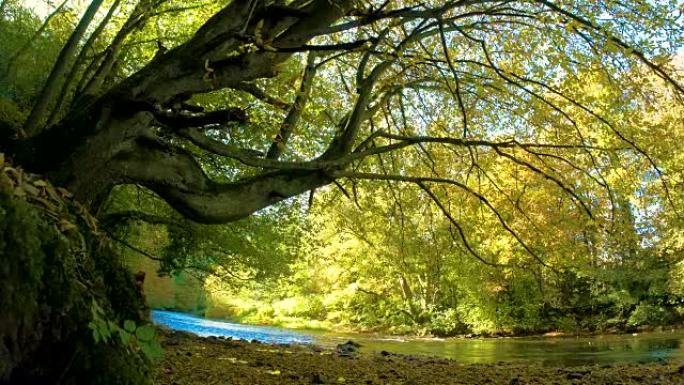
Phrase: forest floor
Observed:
(192, 360)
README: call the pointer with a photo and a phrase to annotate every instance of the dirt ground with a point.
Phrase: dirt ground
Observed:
(192, 360)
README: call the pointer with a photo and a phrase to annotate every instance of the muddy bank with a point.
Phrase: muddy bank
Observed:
(192, 360)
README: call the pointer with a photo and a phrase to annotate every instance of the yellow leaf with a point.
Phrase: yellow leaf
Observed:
(52, 193)
(30, 189)
(258, 37)
(64, 192)
(19, 192)
(65, 226)
(48, 205)
(268, 47)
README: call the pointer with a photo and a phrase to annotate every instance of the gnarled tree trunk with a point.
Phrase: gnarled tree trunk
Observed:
(114, 137)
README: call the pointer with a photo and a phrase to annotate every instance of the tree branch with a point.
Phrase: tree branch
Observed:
(176, 177)
(295, 111)
(181, 119)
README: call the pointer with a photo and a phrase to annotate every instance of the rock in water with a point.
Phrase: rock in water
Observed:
(348, 348)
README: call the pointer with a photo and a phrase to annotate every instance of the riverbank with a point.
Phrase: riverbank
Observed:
(192, 360)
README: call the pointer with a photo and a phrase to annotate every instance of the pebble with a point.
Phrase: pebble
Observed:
(348, 348)
(577, 375)
(318, 378)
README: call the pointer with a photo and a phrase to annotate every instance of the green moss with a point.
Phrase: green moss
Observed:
(50, 275)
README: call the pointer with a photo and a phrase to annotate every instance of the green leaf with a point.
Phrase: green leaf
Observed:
(112, 327)
(129, 326)
(145, 333)
(152, 350)
(125, 337)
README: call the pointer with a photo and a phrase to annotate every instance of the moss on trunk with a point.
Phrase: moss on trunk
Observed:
(53, 266)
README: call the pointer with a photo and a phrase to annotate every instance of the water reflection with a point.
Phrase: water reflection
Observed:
(558, 351)
(647, 347)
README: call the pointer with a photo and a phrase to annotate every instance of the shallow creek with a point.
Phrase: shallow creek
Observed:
(565, 351)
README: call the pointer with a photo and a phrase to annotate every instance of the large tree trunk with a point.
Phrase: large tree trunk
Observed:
(113, 139)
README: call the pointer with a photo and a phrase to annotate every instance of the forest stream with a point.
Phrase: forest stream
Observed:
(199, 351)
(567, 351)
(266, 355)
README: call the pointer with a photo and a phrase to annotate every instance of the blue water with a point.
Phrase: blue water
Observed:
(205, 328)
(608, 349)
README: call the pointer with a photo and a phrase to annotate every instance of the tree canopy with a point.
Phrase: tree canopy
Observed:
(529, 115)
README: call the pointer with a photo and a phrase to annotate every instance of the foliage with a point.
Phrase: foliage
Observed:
(138, 338)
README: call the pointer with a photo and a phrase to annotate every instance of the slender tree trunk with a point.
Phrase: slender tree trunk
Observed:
(86, 75)
(139, 15)
(66, 87)
(42, 105)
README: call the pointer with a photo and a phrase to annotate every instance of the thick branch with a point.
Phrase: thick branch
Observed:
(68, 82)
(176, 177)
(181, 119)
(140, 14)
(196, 66)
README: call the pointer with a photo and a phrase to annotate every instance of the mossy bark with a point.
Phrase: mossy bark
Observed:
(53, 265)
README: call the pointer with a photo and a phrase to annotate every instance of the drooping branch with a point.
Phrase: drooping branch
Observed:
(254, 158)
(576, 198)
(457, 225)
(405, 140)
(420, 181)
